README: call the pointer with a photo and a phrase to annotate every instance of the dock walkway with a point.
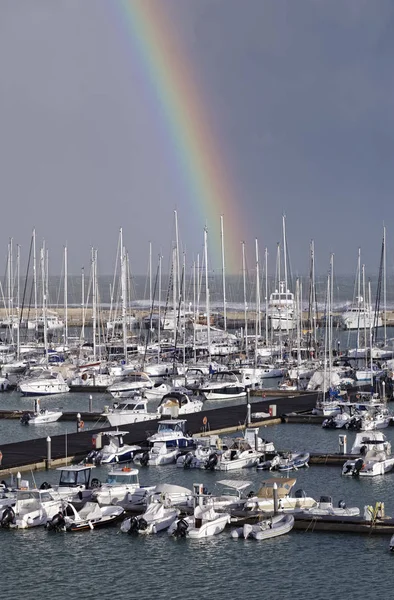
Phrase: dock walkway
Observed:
(31, 454)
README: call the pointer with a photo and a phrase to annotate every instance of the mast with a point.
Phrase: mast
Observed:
(44, 301)
(18, 265)
(258, 320)
(266, 294)
(35, 278)
(65, 297)
(223, 276)
(83, 303)
(207, 292)
(123, 293)
(245, 303)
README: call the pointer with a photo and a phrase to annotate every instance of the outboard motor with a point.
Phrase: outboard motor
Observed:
(94, 457)
(45, 485)
(187, 463)
(300, 494)
(341, 504)
(7, 518)
(358, 465)
(95, 483)
(25, 418)
(142, 524)
(329, 423)
(181, 529)
(144, 460)
(57, 523)
(133, 525)
(212, 461)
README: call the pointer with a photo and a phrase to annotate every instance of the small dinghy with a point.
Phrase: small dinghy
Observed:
(91, 516)
(290, 461)
(268, 528)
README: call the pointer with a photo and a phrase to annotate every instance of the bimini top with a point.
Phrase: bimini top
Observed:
(75, 468)
(234, 483)
(284, 486)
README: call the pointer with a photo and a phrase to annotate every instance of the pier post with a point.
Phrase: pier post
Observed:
(18, 480)
(384, 391)
(342, 444)
(90, 403)
(248, 414)
(49, 454)
(79, 427)
(275, 493)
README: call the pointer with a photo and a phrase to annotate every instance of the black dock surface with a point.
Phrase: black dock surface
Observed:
(32, 452)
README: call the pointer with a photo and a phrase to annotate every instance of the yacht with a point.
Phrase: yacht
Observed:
(131, 410)
(223, 385)
(361, 316)
(110, 447)
(374, 453)
(173, 433)
(133, 382)
(43, 383)
(281, 309)
(180, 401)
(122, 487)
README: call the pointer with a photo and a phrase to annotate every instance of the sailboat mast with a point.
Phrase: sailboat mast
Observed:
(223, 276)
(245, 303)
(207, 292)
(65, 297)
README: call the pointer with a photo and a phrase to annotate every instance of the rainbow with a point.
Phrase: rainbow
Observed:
(179, 102)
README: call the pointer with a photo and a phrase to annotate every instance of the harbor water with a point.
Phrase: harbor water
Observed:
(308, 565)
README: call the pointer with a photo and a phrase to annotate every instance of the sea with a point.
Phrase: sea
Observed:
(107, 564)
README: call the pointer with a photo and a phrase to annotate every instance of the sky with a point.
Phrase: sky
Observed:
(297, 97)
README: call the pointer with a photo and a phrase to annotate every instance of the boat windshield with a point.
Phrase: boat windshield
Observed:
(122, 478)
(165, 427)
(71, 478)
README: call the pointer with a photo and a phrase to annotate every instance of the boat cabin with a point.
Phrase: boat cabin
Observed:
(136, 404)
(123, 477)
(75, 476)
(283, 486)
(173, 433)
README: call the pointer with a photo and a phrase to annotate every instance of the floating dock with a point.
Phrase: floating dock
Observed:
(31, 454)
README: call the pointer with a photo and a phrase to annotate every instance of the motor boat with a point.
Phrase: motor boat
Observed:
(279, 488)
(34, 507)
(132, 382)
(157, 391)
(205, 522)
(157, 517)
(251, 435)
(361, 316)
(43, 383)
(109, 447)
(122, 488)
(158, 454)
(205, 455)
(267, 528)
(281, 309)
(288, 461)
(179, 401)
(131, 410)
(40, 415)
(232, 495)
(90, 516)
(325, 506)
(224, 385)
(239, 455)
(76, 483)
(173, 433)
(374, 453)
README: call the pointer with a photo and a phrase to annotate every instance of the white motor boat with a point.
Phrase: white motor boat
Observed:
(281, 309)
(266, 529)
(122, 488)
(90, 516)
(179, 401)
(361, 316)
(35, 507)
(325, 507)
(133, 382)
(44, 383)
(132, 410)
(40, 415)
(157, 517)
(158, 454)
(173, 433)
(205, 455)
(158, 391)
(111, 448)
(205, 521)
(239, 456)
(223, 385)
(76, 483)
(375, 457)
(282, 487)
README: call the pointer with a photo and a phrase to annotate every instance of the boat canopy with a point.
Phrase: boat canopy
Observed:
(235, 484)
(284, 486)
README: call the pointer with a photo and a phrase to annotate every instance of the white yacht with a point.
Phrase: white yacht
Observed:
(374, 453)
(35, 507)
(223, 385)
(133, 382)
(110, 447)
(122, 487)
(43, 383)
(240, 455)
(179, 401)
(131, 410)
(361, 316)
(281, 309)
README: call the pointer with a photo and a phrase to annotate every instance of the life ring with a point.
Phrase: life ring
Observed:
(205, 420)
(81, 424)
